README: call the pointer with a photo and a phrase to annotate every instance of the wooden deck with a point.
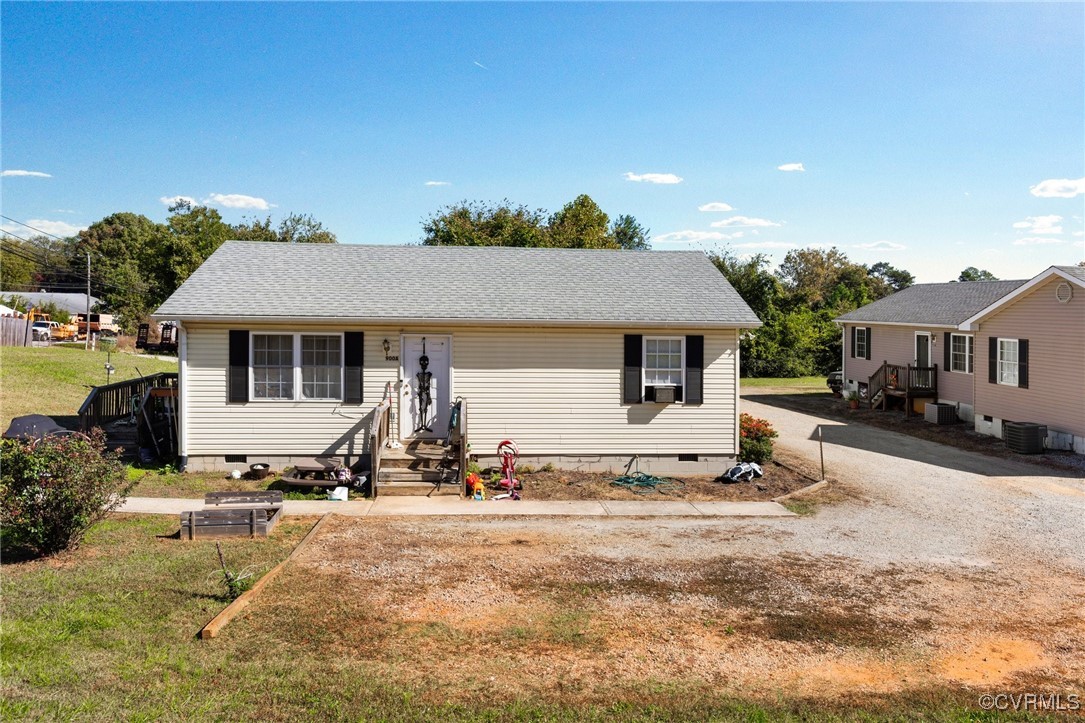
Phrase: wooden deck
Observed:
(903, 381)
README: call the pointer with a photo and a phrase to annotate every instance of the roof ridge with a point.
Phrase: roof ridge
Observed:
(361, 245)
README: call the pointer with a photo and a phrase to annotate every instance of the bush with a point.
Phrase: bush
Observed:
(53, 490)
(755, 439)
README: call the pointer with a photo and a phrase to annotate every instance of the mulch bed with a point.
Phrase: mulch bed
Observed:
(572, 485)
(959, 435)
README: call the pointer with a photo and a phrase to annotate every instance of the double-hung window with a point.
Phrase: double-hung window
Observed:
(960, 353)
(664, 361)
(297, 366)
(1007, 361)
(861, 341)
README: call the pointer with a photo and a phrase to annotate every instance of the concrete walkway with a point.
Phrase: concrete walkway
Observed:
(430, 506)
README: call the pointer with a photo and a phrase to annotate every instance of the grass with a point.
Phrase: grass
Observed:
(108, 633)
(56, 380)
(811, 383)
(167, 482)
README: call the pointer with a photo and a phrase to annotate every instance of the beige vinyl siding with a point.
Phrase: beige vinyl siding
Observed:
(555, 391)
(1056, 360)
(896, 345)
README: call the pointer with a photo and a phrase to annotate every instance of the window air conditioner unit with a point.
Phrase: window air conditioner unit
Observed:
(664, 395)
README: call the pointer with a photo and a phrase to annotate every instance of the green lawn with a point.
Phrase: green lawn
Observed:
(817, 383)
(108, 633)
(56, 380)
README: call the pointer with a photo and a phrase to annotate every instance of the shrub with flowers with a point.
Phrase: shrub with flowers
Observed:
(755, 439)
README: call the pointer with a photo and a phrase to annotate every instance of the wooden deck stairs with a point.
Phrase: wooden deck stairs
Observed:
(421, 467)
(903, 381)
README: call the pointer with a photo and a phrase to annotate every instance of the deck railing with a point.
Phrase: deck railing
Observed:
(461, 431)
(903, 378)
(378, 437)
(110, 402)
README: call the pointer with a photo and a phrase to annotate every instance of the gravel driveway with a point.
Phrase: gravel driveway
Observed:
(919, 502)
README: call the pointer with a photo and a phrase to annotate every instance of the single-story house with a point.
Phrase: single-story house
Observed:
(918, 327)
(585, 358)
(998, 350)
(1030, 358)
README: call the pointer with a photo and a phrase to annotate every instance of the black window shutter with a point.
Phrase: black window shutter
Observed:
(631, 377)
(853, 329)
(694, 389)
(868, 342)
(992, 360)
(353, 366)
(1022, 363)
(947, 353)
(237, 382)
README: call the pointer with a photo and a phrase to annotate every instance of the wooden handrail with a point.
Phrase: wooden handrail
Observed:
(110, 402)
(377, 438)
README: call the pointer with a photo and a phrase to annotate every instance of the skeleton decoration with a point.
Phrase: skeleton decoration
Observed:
(425, 380)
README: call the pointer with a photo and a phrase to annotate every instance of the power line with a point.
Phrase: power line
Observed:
(32, 228)
(27, 255)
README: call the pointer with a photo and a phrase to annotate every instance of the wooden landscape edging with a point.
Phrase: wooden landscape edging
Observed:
(230, 611)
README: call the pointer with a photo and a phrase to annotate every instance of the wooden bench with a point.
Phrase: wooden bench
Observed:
(313, 472)
(230, 522)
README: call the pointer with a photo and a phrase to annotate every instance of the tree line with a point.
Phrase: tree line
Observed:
(136, 263)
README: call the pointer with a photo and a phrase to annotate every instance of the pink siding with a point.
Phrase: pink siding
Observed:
(1056, 361)
(896, 345)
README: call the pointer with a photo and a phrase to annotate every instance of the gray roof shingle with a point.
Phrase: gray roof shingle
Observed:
(1078, 272)
(253, 280)
(946, 304)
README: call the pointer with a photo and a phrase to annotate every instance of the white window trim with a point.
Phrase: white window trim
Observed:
(969, 354)
(296, 345)
(866, 343)
(644, 363)
(1016, 364)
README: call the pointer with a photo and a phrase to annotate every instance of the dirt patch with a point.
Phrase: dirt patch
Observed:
(992, 661)
(589, 611)
(959, 435)
(572, 485)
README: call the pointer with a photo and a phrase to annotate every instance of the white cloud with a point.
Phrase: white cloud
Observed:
(743, 221)
(174, 200)
(54, 228)
(63, 210)
(237, 200)
(480, 65)
(35, 174)
(1040, 224)
(437, 183)
(882, 246)
(791, 167)
(665, 178)
(1058, 188)
(690, 237)
(716, 206)
(766, 245)
(1036, 240)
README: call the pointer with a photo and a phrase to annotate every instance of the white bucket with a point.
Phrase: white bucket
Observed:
(339, 494)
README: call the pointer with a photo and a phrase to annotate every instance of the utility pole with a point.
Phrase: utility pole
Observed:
(87, 319)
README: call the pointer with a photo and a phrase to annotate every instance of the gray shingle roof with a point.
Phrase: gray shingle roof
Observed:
(71, 302)
(1077, 272)
(946, 304)
(251, 280)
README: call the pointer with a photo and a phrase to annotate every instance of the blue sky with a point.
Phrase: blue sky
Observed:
(931, 136)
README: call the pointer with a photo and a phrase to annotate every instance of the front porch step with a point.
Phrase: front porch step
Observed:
(415, 489)
(403, 474)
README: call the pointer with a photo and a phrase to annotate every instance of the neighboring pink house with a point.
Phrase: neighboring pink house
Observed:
(1030, 358)
(915, 331)
(999, 351)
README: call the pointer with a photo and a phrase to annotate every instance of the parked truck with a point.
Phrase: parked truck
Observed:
(101, 324)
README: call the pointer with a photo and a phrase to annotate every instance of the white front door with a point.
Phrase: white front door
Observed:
(414, 422)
